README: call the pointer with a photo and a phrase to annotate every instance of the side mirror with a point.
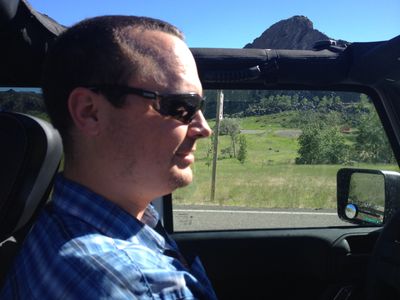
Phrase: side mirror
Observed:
(367, 197)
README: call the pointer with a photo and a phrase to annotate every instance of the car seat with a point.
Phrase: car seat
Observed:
(30, 153)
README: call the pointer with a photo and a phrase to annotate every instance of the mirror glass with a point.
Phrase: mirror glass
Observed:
(366, 198)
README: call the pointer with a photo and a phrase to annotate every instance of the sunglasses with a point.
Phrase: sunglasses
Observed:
(182, 107)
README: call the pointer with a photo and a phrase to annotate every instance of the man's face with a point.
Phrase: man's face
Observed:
(150, 154)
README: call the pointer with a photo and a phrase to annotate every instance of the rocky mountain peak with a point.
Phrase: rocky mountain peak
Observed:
(294, 33)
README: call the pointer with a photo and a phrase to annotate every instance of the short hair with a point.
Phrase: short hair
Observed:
(100, 50)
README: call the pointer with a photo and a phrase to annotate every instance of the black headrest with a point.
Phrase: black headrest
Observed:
(8, 10)
(30, 153)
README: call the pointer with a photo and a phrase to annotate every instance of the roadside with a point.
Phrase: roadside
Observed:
(204, 217)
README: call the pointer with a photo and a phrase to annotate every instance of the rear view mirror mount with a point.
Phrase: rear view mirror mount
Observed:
(367, 197)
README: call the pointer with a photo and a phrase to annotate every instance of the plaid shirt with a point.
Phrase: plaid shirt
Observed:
(85, 247)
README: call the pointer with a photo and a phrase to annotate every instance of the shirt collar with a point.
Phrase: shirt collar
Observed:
(111, 220)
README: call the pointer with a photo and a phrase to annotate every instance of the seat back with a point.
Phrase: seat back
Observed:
(30, 153)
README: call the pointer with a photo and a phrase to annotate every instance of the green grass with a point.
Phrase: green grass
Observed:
(267, 185)
(269, 178)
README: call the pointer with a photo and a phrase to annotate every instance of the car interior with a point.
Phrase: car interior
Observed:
(30, 157)
(361, 261)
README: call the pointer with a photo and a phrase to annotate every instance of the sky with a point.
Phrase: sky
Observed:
(234, 23)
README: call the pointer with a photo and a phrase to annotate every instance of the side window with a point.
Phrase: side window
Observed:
(23, 100)
(275, 159)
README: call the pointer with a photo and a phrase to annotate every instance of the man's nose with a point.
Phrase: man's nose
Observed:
(198, 127)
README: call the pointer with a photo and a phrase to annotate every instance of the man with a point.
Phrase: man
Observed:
(126, 97)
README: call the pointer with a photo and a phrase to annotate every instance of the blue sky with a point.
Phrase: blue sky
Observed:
(234, 23)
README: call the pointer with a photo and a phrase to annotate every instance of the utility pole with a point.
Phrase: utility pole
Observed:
(218, 118)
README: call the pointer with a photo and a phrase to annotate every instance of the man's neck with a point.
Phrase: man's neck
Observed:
(106, 187)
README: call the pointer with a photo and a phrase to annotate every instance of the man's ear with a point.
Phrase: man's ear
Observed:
(83, 107)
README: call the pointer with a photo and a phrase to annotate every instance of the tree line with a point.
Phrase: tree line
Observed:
(244, 103)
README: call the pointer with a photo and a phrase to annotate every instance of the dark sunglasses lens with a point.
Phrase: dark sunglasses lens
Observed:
(181, 107)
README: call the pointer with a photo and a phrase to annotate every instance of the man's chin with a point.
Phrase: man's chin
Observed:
(182, 177)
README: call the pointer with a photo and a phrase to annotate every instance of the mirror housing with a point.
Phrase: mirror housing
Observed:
(367, 197)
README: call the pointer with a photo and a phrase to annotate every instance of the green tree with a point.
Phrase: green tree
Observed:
(321, 144)
(309, 145)
(372, 144)
(231, 127)
(333, 147)
(242, 153)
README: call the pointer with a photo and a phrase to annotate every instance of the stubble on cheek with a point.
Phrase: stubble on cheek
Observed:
(181, 172)
(180, 177)
(123, 151)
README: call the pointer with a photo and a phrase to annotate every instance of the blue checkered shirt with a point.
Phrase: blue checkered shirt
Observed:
(85, 247)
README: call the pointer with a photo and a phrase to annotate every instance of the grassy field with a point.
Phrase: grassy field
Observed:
(269, 178)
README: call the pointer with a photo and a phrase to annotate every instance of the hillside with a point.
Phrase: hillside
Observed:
(25, 102)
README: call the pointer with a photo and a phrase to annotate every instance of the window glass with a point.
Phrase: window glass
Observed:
(24, 100)
(277, 155)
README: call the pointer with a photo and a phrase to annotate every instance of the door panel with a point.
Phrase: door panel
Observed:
(282, 264)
